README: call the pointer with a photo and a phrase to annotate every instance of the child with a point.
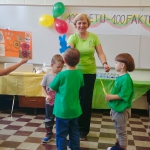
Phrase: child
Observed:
(67, 107)
(120, 101)
(13, 67)
(57, 64)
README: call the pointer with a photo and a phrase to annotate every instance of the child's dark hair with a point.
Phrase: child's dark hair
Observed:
(72, 57)
(127, 59)
(57, 58)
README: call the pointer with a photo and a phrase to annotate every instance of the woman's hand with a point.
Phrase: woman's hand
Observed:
(106, 67)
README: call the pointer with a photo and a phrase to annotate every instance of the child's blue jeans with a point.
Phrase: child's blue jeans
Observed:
(65, 127)
(49, 119)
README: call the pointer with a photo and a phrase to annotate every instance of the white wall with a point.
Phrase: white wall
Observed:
(1, 65)
(80, 2)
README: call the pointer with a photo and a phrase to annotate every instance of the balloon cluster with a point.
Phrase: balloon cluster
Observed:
(60, 25)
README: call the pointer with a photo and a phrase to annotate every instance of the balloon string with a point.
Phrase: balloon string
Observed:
(103, 86)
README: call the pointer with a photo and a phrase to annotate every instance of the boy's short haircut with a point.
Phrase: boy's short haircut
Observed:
(72, 57)
(127, 59)
(57, 58)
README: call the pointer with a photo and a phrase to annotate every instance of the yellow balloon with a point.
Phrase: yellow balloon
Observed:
(46, 20)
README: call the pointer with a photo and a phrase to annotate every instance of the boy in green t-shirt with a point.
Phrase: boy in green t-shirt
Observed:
(67, 107)
(120, 101)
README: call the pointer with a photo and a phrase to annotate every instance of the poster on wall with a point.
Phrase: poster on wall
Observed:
(15, 43)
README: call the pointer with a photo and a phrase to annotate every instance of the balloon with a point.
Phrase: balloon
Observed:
(61, 26)
(58, 9)
(46, 20)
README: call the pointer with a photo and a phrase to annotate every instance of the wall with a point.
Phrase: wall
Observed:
(80, 2)
(133, 39)
(112, 3)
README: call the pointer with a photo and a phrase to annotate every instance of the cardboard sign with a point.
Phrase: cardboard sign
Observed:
(15, 44)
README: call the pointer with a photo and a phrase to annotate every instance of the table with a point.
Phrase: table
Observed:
(140, 88)
(20, 83)
(28, 84)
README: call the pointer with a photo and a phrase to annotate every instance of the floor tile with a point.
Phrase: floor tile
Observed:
(10, 144)
(23, 131)
(17, 138)
(30, 146)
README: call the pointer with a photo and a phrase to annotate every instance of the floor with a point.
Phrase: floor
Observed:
(23, 131)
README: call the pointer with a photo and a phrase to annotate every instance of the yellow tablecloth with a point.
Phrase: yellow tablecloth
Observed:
(28, 84)
(18, 83)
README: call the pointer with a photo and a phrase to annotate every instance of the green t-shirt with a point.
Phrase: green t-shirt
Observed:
(67, 85)
(123, 87)
(87, 64)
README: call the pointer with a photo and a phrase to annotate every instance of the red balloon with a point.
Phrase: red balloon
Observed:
(60, 26)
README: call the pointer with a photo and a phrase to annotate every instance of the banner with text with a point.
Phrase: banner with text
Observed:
(136, 22)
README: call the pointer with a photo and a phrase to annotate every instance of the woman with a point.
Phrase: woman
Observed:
(86, 43)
